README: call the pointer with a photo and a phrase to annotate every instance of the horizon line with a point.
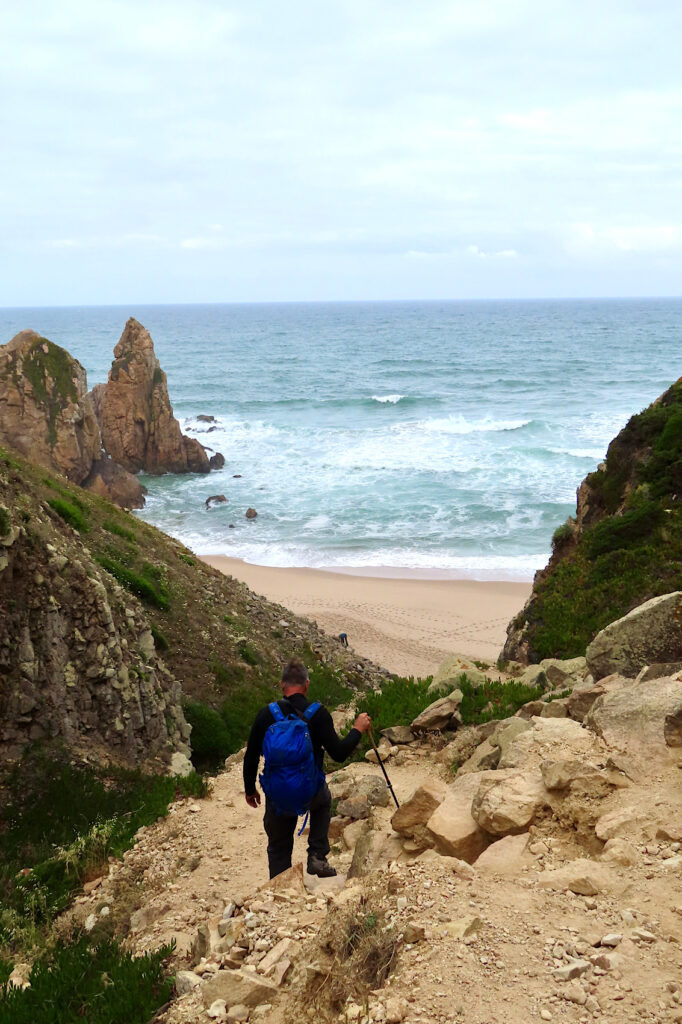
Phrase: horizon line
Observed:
(349, 302)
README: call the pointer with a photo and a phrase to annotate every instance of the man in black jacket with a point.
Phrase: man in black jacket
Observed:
(280, 828)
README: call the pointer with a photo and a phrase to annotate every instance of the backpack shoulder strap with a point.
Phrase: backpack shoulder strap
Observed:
(311, 709)
(276, 711)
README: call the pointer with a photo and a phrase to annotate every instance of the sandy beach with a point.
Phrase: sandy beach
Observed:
(406, 624)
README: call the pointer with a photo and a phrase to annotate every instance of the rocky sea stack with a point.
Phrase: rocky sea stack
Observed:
(97, 440)
(135, 415)
(623, 547)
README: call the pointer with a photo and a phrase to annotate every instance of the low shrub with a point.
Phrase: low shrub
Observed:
(100, 984)
(494, 699)
(210, 739)
(144, 585)
(70, 513)
(60, 824)
(119, 531)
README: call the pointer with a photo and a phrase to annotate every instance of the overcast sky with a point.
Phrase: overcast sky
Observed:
(362, 149)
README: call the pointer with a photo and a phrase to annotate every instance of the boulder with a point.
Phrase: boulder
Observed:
(618, 822)
(485, 756)
(354, 807)
(419, 807)
(582, 876)
(454, 832)
(291, 879)
(216, 461)
(439, 715)
(633, 719)
(465, 742)
(509, 805)
(544, 739)
(450, 671)
(250, 513)
(136, 419)
(559, 775)
(374, 789)
(535, 675)
(563, 674)
(45, 411)
(399, 734)
(555, 709)
(650, 633)
(508, 856)
(111, 481)
(238, 987)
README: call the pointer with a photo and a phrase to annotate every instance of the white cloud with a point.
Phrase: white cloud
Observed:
(241, 140)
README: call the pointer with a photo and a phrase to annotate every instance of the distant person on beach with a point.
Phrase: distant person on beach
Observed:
(292, 735)
(343, 637)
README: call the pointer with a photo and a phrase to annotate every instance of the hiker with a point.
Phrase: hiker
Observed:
(292, 735)
(343, 637)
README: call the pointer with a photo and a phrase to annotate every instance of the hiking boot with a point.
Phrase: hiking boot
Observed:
(321, 867)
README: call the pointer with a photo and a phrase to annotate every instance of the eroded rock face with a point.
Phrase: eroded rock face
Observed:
(77, 657)
(115, 483)
(650, 633)
(45, 411)
(635, 718)
(136, 418)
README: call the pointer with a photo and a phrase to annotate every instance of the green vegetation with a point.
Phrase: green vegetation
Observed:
(494, 699)
(211, 740)
(120, 531)
(401, 700)
(187, 559)
(59, 827)
(9, 460)
(147, 585)
(397, 703)
(71, 514)
(99, 984)
(159, 638)
(5, 521)
(49, 369)
(158, 376)
(631, 548)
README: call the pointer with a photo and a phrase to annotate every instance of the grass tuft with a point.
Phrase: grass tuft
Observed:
(70, 513)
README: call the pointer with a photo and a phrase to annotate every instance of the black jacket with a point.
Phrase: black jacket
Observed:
(322, 733)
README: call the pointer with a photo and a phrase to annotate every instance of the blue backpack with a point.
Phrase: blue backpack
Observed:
(291, 777)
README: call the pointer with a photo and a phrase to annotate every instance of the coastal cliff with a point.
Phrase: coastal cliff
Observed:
(623, 547)
(108, 628)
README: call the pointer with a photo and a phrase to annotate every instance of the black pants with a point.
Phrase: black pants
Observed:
(280, 830)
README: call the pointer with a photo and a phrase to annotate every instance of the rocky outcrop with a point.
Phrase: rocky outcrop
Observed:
(115, 483)
(649, 633)
(633, 718)
(134, 412)
(45, 411)
(622, 547)
(78, 663)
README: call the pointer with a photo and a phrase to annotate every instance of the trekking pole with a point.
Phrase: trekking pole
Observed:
(388, 781)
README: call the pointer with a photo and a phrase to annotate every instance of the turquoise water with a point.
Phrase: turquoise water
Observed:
(447, 437)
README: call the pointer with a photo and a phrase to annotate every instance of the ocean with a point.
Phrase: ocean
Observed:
(442, 438)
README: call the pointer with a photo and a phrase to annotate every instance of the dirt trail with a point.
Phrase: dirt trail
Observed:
(210, 852)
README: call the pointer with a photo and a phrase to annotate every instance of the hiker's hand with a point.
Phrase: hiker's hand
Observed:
(362, 723)
(253, 799)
